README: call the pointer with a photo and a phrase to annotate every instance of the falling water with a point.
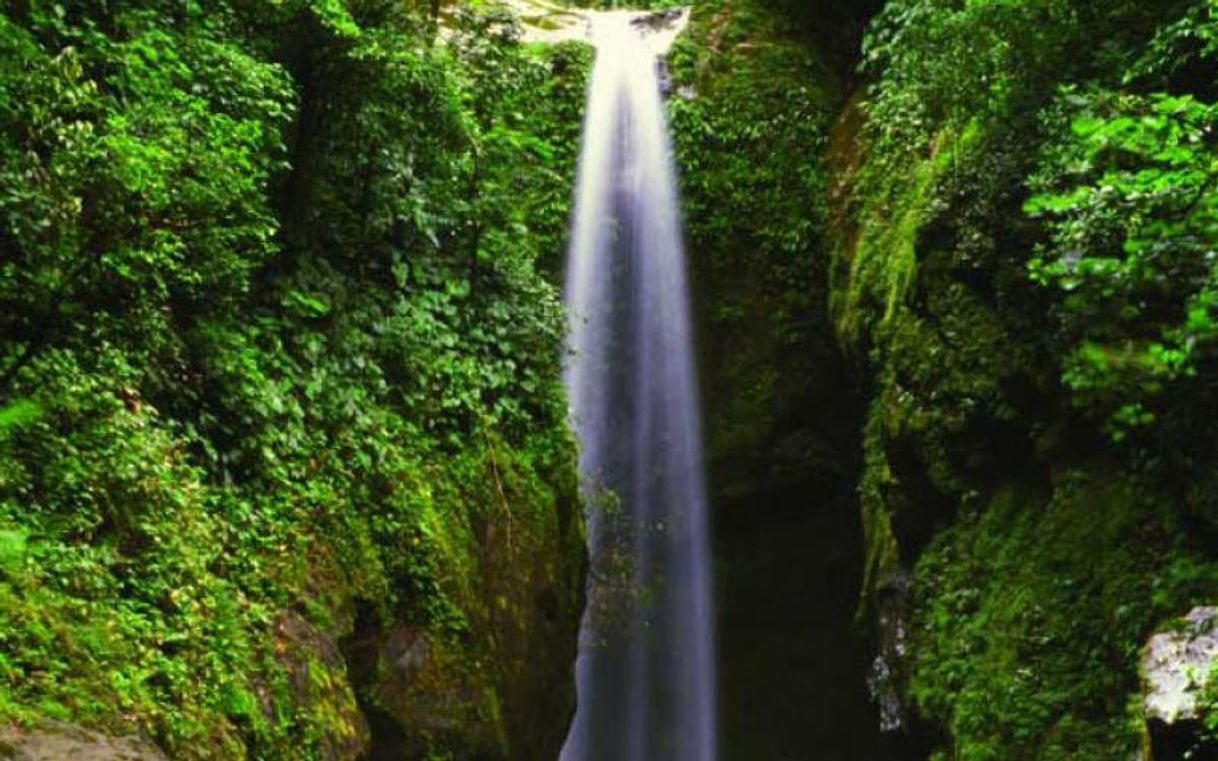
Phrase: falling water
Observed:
(646, 667)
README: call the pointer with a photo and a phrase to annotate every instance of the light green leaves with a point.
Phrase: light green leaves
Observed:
(1131, 203)
(12, 549)
(18, 413)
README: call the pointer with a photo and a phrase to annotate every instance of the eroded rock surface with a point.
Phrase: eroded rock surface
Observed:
(54, 741)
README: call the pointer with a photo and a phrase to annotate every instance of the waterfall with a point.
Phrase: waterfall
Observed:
(646, 673)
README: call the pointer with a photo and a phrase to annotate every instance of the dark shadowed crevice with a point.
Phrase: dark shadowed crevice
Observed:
(361, 651)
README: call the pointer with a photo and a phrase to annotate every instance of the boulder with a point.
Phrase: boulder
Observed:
(55, 741)
(1176, 667)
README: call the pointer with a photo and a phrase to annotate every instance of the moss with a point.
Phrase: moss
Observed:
(748, 140)
(881, 550)
(877, 270)
(1041, 556)
(1031, 611)
(479, 575)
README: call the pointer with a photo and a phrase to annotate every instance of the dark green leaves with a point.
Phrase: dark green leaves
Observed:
(274, 278)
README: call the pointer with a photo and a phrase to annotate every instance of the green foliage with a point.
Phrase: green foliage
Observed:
(749, 115)
(136, 171)
(280, 337)
(1131, 200)
(1027, 603)
(945, 78)
(1207, 706)
(1024, 255)
(18, 413)
(1190, 41)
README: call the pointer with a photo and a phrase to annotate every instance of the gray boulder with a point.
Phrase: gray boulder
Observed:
(55, 741)
(1176, 667)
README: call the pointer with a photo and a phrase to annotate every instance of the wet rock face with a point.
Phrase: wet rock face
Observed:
(1176, 667)
(54, 741)
(886, 679)
(303, 649)
(499, 688)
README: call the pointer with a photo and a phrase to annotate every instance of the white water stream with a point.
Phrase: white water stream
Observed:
(646, 671)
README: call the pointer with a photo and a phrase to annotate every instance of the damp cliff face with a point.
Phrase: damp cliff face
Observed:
(1036, 488)
(1019, 423)
(750, 103)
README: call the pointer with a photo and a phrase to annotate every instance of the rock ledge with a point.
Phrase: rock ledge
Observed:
(55, 741)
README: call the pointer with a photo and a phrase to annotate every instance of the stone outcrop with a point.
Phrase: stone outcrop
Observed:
(1176, 668)
(54, 741)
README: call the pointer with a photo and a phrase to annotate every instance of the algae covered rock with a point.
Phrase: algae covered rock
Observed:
(54, 741)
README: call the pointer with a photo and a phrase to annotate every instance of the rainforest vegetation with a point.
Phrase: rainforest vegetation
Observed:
(285, 464)
(281, 379)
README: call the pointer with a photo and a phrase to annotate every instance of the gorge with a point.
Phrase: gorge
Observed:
(868, 417)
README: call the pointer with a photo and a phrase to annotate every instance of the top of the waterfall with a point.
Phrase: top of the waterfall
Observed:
(548, 22)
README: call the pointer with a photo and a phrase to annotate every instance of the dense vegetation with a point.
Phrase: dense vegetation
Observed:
(1025, 268)
(284, 467)
(279, 387)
